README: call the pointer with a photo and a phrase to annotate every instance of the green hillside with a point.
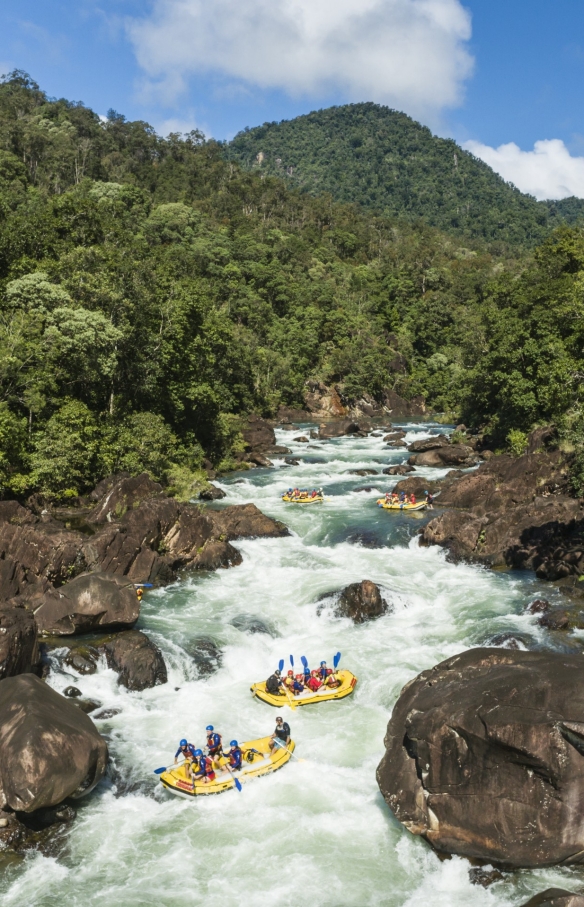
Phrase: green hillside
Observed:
(389, 163)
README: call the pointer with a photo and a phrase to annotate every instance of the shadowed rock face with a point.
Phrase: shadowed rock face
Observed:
(485, 757)
(556, 897)
(138, 662)
(92, 601)
(19, 652)
(49, 749)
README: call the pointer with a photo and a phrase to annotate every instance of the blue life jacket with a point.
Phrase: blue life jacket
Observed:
(188, 751)
(235, 757)
(213, 742)
(297, 686)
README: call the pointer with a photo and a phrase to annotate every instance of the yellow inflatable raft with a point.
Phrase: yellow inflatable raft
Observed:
(262, 762)
(407, 507)
(317, 499)
(325, 693)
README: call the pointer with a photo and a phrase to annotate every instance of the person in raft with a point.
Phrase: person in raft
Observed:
(205, 770)
(289, 681)
(186, 750)
(273, 684)
(235, 757)
(298, 685)
(214, 748)
(281, 733)
(314, 682)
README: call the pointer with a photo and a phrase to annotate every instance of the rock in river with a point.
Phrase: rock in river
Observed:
(360, 601)
(138, 662)
(92, 601)
(49, 749)
(484, 757)
(556, 897)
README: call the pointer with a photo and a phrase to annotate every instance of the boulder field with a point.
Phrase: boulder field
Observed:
(485, 757)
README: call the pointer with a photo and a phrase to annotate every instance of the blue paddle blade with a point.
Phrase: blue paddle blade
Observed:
(238, 784)
(158, 771)
(336, 660)
(304, 661)
(281, 664)
(144, 585)
(292, 661)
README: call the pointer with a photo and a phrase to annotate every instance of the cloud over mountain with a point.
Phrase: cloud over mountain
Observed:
(548, 172)
(410, 54)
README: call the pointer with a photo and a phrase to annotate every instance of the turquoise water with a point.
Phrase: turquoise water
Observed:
(317, 831)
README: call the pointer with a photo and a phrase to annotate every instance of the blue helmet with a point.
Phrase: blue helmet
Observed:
(183, 742)
(322, 663)
(209, 727)
(198, 752)
(234, 743)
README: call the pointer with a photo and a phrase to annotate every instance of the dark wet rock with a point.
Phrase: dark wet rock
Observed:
(292, 461)
(397, 435)
(72, 692)
(289, 426)
(400, 408)
(258, 434)
(445, 456)
(90, 602)
(289, 414)
(363, 472)
(513, 512)
(484, 757)
(508, 641)
(562, 619)
(245, 521)
(19, 651)
(418, 485)
(483, 876)
(82, 659)
(426, 444)
(49, 749)
(87, 705)
(107, 713)
(366, 538)
(338, 429)
(136, 659)
(402, 470)
(363, 488)
(206, 654)
(302, 439)
(279, 450)
(314, 434)
(250, 623)
(212, 493)
(396, 445)
(360, 602)
(539, 606)
(216, 554)
(556, 897)
(122, 493)
(258, 459)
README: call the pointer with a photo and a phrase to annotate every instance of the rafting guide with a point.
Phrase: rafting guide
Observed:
(281, 732)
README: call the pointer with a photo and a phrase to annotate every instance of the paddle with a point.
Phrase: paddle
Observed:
(236, 781)
(291, 661)
(145, 585)
(159, 771)
(281, 665)
(281, 745)
(336, 660)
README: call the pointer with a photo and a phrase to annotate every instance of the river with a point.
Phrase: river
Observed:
(318, 831)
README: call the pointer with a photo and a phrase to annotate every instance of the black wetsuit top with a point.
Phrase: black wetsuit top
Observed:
(283, 731)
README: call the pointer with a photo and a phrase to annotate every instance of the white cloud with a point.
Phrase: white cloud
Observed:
(410, 54)
(549, 171)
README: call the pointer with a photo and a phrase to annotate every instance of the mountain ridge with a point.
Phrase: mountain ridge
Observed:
(387, 162)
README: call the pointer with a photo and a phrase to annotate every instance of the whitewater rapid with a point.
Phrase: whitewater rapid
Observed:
(318, 831)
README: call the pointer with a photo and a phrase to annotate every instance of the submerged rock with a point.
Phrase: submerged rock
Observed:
(49, 749)
(206, 654)
(402, 470)
(250, 623)
(135, 658)
(484, 757)
(556, 897)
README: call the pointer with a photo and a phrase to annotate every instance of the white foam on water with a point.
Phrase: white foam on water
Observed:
(317, 830)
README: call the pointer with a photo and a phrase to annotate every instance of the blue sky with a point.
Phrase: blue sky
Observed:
(501, 76)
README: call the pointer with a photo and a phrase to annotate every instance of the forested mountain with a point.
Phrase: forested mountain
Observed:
(151, 292)
(389, 163)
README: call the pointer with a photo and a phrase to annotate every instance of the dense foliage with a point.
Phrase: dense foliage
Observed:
(389, 163)
(151, 292)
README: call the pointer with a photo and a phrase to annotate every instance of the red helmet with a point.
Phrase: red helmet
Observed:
(290, 673)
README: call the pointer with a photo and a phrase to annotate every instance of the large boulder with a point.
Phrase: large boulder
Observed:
(120, 493)
(444, 456)
(19, 651)
(361, 602)
(90, 602)
(513, 511)
(484, 757)
(556, 897)
(245, 521)
(323, 401)
(329, 430)
(435, 442)
(135, 658)
(258, 434)
(49, 749)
